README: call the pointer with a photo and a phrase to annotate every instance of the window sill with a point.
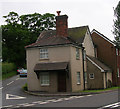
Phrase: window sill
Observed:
(45, 85)
(44, 59)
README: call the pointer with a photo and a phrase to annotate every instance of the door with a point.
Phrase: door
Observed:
(61, 82)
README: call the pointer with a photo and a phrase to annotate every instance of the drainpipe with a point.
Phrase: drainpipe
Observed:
(83, 67)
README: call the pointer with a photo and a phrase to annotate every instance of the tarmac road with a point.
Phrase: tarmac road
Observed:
(13, 97)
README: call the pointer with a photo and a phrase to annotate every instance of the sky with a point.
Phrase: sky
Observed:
(97, 14)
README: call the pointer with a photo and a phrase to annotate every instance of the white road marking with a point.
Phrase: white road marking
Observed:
(17, 79)
(66, 99)
(111, 105)
(29, 105)
(51, 100)
(7, 106)
(10, 83)
(89, 95)
(37, 102)
(1, 88)
(44, 102)
(79, 96)
(9, 96)
(115, 106)
(61, 99)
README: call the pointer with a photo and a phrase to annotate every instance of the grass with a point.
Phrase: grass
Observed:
(8, 75)
(25, 87)
(101, 90)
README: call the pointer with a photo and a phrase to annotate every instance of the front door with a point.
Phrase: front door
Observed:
(61, 82)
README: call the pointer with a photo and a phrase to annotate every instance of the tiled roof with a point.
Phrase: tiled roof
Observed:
(47, 38)
(98, 63)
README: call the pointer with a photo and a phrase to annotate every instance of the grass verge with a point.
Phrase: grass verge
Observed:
(8, 75)
(101, 90)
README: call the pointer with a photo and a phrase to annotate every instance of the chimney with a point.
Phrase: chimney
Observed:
(61, 25)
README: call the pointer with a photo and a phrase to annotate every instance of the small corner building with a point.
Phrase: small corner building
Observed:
(98, 74)
(56, 62)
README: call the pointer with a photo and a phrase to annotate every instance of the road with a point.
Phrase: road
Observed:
(13, 97)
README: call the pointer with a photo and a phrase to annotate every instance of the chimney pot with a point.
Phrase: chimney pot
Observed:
(58, 12)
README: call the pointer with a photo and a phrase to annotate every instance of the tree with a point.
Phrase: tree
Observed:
(21, 31)
(116, 30)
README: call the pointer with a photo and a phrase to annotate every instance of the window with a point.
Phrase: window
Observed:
(91, 76)
(118, 72)
(43, 53)
(77, 53)
(116, 51)
(78, 77)
(85, 77)
(44, 78)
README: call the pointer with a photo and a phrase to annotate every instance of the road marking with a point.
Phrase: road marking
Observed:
(111, 105)
(51, 100)
(61, 99)
(7, 106)
(17, 79)
(44, 102)
(9, 96)
(88, 95)
(29, 105)
(1, 88)
(79, 96)
(37, 102)
(66, 99)
(10, 83)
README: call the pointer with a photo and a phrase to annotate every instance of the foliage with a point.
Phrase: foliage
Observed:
(8, 75)
(8, 67)
(116, 31)
(21, 31)
(25, 87)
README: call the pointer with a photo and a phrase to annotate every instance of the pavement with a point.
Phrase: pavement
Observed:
(44, 94)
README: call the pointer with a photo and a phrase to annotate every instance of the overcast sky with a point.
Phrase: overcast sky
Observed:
(97, 14)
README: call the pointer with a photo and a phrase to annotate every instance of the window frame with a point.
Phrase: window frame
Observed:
(43, 77)
(43, 53)
(78, 78)
(85, 74)
(90, 76)
(77, 54)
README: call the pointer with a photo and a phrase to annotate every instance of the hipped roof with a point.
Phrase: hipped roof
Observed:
(47, 38)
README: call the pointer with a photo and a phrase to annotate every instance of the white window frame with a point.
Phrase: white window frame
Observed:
(78, 78)
(43, 53)
(44, 79)
(90, 76)
(77, 53)
(118, 72)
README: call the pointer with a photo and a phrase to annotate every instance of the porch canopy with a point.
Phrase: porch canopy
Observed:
(53, 66)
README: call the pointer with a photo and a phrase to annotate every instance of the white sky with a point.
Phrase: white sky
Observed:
(97, 14)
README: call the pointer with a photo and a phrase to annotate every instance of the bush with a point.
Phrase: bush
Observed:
(8, 67)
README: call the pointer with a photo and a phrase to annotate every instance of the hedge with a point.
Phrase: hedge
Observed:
(8, 67)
